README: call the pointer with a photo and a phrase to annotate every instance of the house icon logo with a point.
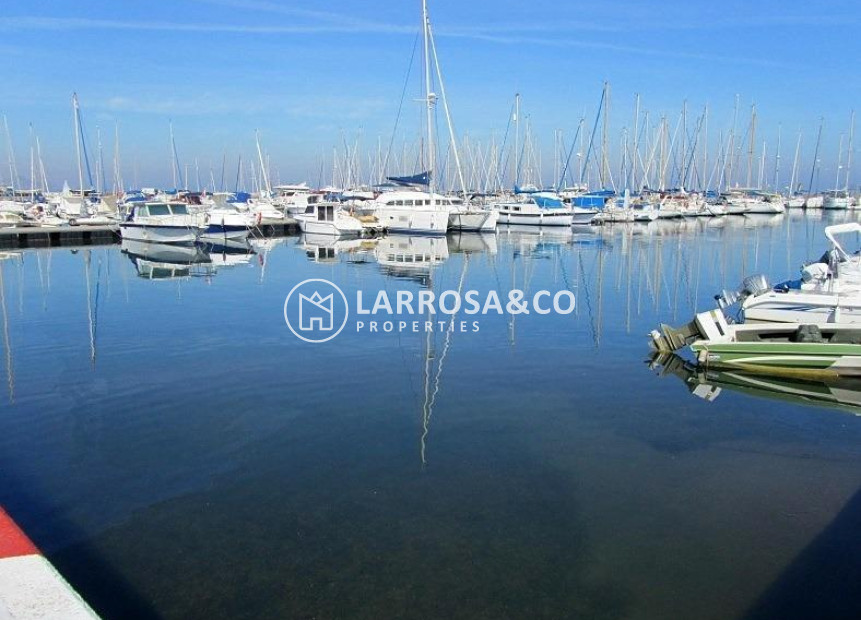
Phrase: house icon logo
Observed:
(316, 310)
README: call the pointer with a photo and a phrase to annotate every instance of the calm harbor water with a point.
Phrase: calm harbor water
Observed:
(177, 452)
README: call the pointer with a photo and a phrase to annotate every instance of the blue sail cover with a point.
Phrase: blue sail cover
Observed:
(547, 201)
(422, 178)
(528, 189)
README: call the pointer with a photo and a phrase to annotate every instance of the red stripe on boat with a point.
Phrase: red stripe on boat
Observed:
(13, 542)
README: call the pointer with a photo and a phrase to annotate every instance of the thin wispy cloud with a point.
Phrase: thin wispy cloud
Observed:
(215, 104)
(83, 23)
(498, 34)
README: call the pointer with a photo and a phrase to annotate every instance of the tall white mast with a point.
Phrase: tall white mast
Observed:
(118, 181)
(776, 182)
(173, 162)
(99, 179)
(430, 100)
(794, 178)
(849, 152)
(516, 158)
(32, 167)
(262, 164)
(839, 163)
(633, 181)
(76, 111)
(13, 170)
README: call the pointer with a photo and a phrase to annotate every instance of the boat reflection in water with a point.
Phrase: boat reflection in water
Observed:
(328, 249)
(160, 261)
(229, 252)
(411, 256)
(472, 243)
(843, 394)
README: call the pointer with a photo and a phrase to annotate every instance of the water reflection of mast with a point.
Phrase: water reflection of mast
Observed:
(92, 307)
(7, 345)
(430, 397)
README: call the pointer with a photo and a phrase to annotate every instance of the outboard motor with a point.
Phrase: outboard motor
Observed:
(754, 285)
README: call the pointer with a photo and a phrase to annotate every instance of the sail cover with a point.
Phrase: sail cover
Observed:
(422, 178)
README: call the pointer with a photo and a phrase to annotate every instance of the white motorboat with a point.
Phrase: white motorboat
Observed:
(228, 223)
(538, 209)
(328, 219)
(414, 212)
(829, 290)
(161, 222)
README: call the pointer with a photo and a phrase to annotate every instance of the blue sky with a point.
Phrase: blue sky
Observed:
(312, 76)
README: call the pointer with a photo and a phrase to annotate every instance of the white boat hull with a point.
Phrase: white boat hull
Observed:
(835, 203)
(159, 234)
(580, 216)
(341, 227)
(536, 219)
(413, 220)
(477, 220)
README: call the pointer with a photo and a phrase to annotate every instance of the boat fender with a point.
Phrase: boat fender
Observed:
(259, 218)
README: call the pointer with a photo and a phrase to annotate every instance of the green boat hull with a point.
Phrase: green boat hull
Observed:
(831, 359)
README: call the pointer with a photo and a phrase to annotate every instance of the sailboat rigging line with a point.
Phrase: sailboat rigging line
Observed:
(561, 183)
(84, 147)
(401, 104)
(594, 129)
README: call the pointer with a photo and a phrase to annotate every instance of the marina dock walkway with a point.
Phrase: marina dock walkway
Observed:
(30, 587)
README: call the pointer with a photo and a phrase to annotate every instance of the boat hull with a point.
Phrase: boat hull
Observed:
(536, 219)
(332, 229)
(473, 221)
(837, 359)
(413, 221)
(159, 234)
(220, 232)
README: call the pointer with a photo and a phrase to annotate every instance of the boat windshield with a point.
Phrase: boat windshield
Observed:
(179, 209)
(158, 209)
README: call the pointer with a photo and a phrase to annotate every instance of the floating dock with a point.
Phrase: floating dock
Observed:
(14, 237)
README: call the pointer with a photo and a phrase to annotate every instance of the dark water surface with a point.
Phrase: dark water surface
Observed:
(178, 453)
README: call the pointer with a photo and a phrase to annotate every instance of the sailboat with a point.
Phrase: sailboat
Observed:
(428, 213)
(81, 206)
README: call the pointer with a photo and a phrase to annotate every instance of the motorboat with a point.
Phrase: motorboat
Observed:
(536, 209)
(414, 212)
(823, 350)
(829, 290)
(328, 218)
(161, 222)
(228, 223)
